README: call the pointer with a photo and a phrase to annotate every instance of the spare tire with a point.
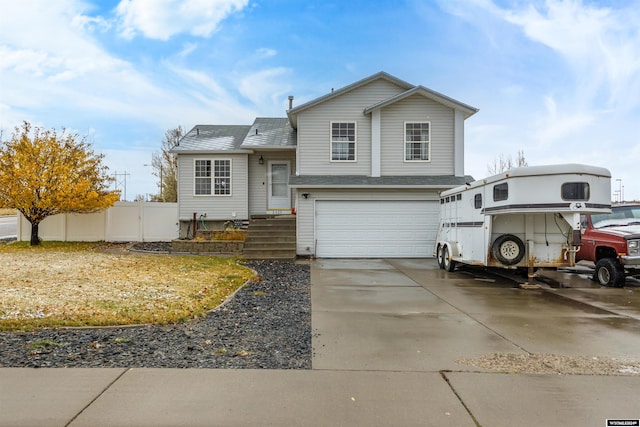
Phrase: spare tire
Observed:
(508, 249)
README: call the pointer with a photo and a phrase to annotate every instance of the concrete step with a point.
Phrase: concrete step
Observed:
(269, 226)
(270, 246)
(271, 238)
(269, 254)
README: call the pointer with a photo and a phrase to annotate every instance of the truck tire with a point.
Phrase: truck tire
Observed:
(447, 263)
(440, 256)
(609, 272)
(508, 249)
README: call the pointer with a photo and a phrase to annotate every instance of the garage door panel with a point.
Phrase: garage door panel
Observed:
(356, 229)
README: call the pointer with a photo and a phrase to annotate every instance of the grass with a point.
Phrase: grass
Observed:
(75, 284)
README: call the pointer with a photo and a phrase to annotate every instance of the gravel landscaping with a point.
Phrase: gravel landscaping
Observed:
(267, 324)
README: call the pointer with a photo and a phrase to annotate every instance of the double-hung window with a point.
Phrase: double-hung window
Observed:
(222, 177)
(212, 177)
(417, 137)
(343, 141)
(202, 178)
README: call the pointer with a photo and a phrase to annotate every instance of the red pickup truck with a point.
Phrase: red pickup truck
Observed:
(612, 242)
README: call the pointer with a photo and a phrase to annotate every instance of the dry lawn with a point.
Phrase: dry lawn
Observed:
(62, 284)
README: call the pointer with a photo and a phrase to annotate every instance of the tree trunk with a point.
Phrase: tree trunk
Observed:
(35, 240)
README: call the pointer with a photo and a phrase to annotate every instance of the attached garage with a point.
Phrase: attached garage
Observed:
(375, 228)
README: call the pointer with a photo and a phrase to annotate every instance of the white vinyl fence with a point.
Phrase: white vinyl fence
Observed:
(123, 222)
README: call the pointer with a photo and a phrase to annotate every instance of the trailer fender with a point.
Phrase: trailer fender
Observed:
(508, 249)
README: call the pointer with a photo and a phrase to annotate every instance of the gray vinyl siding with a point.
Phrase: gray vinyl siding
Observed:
(258, 177)
(215, 207)
(417, 109)
(314, 130)
(306, 208)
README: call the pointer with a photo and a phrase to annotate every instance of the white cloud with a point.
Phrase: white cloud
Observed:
(162, 19)
(599, 44)
(264, 52)
(266, 88)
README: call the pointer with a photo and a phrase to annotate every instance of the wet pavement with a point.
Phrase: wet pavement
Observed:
(389, 337)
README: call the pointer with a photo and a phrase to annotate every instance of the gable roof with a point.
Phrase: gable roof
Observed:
(270, 132)
(427, 93)
(213, 138)
(409, 90)
(292, 113)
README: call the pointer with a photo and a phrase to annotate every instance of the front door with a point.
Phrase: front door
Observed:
(278, 180)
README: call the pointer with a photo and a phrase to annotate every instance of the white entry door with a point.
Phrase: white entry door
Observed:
(278, 180)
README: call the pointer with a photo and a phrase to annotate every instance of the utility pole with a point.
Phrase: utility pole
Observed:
(121, 182)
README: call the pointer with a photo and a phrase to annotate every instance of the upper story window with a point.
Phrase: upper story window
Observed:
(417, 141)
(343, 141)
(212, 177)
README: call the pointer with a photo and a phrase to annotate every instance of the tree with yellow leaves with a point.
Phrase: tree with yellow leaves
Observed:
(43, 173)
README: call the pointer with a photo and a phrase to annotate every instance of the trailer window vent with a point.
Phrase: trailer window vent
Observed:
(500, 192)
(477, 201)
(575, 191)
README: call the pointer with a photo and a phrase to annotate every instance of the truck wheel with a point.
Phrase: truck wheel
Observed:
(440, 256)
(609, 272)
(447, 263)
(508, 249)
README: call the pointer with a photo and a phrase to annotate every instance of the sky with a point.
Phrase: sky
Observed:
(557, 79)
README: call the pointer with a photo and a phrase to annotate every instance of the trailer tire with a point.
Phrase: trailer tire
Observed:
(440, 256)
(609, 272)
(447, 264)
(508, 249)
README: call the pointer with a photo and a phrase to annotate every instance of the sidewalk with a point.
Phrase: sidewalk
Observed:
(386, 337)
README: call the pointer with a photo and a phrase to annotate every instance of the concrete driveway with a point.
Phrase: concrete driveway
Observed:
(408, 316)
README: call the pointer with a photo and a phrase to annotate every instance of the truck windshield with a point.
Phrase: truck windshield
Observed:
(620, 215)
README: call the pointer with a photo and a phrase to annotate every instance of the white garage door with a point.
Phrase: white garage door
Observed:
(375, 229)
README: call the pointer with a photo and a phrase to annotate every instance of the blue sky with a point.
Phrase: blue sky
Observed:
(559, 80)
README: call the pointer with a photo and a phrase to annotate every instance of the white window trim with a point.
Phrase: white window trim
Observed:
(212, 177)
(404, 143)
(355, 142)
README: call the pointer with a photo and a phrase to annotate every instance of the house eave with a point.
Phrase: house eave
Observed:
(467, 110)
(375, 186)
(215, 152)
(271, 148)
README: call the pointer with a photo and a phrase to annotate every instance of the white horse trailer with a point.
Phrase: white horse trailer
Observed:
(522, 218)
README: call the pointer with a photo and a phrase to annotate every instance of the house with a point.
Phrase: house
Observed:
(362, 166)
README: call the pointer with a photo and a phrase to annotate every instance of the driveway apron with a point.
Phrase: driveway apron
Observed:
(371, 315)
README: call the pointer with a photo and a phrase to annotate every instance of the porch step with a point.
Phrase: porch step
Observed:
(271, 237)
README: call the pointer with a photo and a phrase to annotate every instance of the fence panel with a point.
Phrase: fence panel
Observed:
(123, 222)
(160, 222)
